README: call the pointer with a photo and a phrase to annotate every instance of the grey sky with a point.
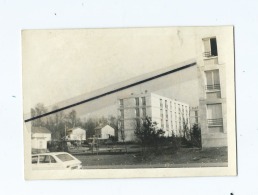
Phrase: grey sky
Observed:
(61, 65)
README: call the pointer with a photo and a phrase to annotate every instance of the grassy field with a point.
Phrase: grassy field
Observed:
(162, 158)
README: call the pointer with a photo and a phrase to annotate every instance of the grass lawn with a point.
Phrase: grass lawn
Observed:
(161, 158)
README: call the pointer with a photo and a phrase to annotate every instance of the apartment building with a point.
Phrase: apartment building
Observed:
(171, 115)
(194, 116)
(212, 63)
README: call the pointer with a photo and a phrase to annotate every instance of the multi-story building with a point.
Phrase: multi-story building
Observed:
(171, 115)
(212, 63)
(194, 116)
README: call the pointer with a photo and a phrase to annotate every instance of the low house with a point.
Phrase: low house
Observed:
(76, 133)
(39, 138)
(104, 132)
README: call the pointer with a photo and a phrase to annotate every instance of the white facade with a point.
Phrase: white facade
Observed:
(76, 133)
(39, 138)
(169, 114)
(104, 132)
(214, 58)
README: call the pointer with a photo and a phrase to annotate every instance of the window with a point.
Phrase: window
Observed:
(213, 43)
(34, 159)
(212, 79)
(210, 47)
(122, 124)
(162, 123)
(137, 101)
(166, 113)
(64, 157)
(214, 118)
(138, 123)
(167, 124)
(143, 101)
(144, 112)
(161, 113)
(161, 103)
(44, 159)
(52, 159)
(121, 102)
(137, 111)
(122, 113)
(166, 104)
(214, 114)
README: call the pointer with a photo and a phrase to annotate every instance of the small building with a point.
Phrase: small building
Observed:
(39, 138)
(104, 132)
(76, 133)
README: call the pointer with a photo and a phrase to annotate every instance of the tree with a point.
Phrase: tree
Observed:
(71, 119)
(113, 122)
(57, 122)
(39, 109)
(148, 133)
(90, 124)
(196, 135)
(186, 131)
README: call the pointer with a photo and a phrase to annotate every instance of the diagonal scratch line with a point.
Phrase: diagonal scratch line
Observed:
(112, 91)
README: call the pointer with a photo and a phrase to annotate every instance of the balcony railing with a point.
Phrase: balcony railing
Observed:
(213, 87)
(208, 54)
(215, 122)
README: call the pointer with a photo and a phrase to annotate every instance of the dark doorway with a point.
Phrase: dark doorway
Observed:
(214, 51)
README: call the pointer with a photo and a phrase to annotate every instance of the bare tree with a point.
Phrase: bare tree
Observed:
(71, 119)
(39, 110)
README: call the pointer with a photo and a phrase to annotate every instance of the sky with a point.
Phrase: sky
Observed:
(68, 65)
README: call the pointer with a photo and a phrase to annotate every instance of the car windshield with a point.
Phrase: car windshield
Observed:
(64, 157)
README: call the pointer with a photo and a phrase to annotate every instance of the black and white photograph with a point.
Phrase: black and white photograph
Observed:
(129, 102)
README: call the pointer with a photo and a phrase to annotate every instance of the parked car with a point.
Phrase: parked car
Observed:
(55, 161)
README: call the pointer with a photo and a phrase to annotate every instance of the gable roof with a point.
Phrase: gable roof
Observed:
(40, 130)
(70, 130)
(101, 127)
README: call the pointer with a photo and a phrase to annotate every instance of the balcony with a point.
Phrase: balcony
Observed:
(215, 122)
(208, 54)
(210, 59)
(213, 87)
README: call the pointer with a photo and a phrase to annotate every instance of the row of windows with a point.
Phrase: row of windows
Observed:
(167, 124)
(137, 101)
(166, 113)
(139, 121)
(178, 105)
(137, 112)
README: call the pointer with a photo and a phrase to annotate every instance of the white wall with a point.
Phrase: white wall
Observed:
(106, 131)
(78, 134)
(39, 140)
